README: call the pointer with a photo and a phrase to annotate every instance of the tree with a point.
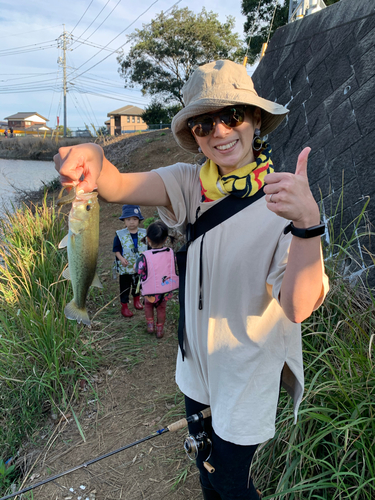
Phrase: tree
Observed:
(166, 52)
(157, 112)
(260, 14)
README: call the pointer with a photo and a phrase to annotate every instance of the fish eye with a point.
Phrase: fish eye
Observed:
(88, 208)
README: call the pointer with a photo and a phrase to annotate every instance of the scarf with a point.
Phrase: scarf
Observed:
(242, 182)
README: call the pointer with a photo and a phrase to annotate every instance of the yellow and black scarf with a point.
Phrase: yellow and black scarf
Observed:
(243, 182)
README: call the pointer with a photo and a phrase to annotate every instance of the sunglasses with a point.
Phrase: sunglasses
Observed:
(231, 117)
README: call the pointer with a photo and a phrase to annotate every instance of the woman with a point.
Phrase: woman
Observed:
(254, 276)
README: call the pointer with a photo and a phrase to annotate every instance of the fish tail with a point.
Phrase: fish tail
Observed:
(72, 311)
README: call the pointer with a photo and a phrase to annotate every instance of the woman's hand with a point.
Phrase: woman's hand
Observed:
(289, 195)
(80, 165)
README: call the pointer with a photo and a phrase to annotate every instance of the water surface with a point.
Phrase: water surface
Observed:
(23, 175)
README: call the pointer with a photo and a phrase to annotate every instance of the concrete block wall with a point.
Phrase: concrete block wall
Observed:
(322, 68)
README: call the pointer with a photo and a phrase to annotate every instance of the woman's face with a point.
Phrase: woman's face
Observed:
(231, 148)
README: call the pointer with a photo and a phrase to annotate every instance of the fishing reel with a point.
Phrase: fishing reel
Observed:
(199, 442)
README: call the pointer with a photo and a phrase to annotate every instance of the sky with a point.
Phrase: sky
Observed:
(29, 53)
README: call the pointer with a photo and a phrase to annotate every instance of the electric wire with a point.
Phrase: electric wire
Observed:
(273, 17)
(53, 94)
(92, 22)
(135, 20)
(174, 5)
(81, 17)
(252, 31)
(24, 33)
(105, 19)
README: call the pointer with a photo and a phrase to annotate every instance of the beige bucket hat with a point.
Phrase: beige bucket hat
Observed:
(214, 86)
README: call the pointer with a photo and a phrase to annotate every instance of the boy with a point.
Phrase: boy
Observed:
(127, 245)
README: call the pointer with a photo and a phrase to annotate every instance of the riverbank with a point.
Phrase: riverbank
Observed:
(35, 148)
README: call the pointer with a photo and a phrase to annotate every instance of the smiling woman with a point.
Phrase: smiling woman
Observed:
(251, 276)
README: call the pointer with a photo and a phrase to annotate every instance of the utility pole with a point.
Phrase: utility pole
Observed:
(63, 41)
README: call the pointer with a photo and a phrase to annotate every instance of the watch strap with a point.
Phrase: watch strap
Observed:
(305, 232)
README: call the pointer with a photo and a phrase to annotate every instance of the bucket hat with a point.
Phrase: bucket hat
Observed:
(214, 86)
(131, 211)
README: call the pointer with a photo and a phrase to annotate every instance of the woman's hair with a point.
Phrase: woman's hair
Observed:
(157, 232)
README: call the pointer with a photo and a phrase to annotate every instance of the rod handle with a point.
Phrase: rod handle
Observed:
(180, 424)
(209, 467)
(206, 412)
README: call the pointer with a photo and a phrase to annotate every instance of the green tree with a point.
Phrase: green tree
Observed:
(60, 128)
(260, 14)
(157, 112)
(166, 52)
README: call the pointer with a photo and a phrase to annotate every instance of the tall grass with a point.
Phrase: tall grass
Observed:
(41, 353)
(329, 454)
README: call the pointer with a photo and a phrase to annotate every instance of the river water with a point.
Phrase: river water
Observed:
(24, 175)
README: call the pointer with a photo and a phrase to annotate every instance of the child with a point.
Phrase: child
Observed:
(126, 245)
(158, 276)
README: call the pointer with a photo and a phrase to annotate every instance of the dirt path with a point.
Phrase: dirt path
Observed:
(134, 394)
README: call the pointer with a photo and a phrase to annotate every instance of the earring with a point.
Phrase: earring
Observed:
(257, 142)
(199, 149)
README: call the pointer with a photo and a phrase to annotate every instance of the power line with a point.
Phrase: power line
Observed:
(105, 19)
(20, 35)
(82, 16)
(155, 1)
(92, 22)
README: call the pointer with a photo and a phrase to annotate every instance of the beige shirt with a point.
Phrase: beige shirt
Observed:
(239, 343)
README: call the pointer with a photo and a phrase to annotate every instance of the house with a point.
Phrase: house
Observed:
(31, 121)
(125, 120)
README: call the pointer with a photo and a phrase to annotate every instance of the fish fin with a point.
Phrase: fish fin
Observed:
(68, 198)
(66, 274)
(64, 242)
(96, 281)
(73, 312)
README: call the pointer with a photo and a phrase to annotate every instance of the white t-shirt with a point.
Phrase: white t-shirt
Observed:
(240, 342)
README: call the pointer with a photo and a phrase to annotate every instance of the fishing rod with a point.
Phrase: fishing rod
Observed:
(175, 426)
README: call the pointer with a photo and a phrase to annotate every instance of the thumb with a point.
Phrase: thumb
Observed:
(301, 168)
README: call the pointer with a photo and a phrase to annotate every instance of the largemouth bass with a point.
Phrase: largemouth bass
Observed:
(82, 242)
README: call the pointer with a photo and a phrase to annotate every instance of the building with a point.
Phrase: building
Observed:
(126, 120)
(25, 121)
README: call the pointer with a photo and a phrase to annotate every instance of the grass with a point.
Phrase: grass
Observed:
(329, 455)
(42, 355)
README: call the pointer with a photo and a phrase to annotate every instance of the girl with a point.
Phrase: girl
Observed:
(158, 276)
(126, 245)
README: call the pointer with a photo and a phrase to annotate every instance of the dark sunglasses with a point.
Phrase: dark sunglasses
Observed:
(231, 117)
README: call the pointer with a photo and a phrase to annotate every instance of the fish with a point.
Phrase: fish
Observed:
(82, 243)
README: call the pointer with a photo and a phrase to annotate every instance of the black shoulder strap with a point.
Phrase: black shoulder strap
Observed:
(208, 220)
(218, 214)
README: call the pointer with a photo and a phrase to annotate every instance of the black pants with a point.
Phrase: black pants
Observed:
(231, 479)
(127, 284)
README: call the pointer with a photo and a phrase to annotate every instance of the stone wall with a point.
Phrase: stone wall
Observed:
(322, 68)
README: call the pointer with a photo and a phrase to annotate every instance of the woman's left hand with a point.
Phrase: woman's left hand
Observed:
(289, 195)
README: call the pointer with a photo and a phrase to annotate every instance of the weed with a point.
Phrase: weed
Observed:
(41, 353)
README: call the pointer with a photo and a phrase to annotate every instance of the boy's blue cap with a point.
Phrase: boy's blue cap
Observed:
(131, 211)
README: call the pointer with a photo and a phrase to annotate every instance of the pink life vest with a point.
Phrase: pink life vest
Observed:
(161, 271)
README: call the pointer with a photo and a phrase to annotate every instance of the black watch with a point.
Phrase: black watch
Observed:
(308, 232)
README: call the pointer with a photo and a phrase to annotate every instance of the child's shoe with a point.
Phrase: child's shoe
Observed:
(137, 303)
(150, 325)
(159, 330)
(125, 311)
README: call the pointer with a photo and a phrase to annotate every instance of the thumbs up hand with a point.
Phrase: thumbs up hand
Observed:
(289, 195)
